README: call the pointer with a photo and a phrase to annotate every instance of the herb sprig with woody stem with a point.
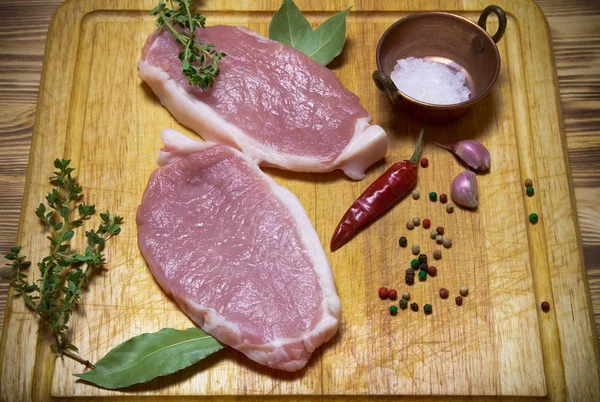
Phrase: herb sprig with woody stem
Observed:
(64, 273)
(200, 61)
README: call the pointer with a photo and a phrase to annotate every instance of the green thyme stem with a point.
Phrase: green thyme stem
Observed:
(81, 282)
(62, 276)
(186, 6)
(45, 289)
(199, 60)
(73, 356)
(78, 359)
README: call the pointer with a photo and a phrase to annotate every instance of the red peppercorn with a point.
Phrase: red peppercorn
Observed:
(392, 294)
(424, 162)
(545, 306)
(432, 271)
(383, 293)
(458, 300)
(426, 223)
(444, 293)
(440, 230)
(443, 198)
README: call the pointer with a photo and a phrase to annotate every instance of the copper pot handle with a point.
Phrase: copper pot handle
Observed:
(501, 21)
(386, 85)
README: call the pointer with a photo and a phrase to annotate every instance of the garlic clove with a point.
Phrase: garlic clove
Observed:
(464, 189)
(471, 152)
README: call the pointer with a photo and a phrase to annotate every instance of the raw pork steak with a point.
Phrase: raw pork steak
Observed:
(272, 102)
(237, 252)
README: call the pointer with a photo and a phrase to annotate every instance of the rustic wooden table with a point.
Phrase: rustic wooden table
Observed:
(575, 27)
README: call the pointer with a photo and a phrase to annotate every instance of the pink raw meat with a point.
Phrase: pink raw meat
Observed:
(237, 252)
(272, 102)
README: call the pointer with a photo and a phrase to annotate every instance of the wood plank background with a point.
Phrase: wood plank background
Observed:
(575, 27)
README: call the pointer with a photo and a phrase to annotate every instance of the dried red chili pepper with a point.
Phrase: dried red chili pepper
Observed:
(381, 195)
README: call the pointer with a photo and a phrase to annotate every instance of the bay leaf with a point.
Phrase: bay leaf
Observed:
(290, 27)
(151, 355)
(327, 41)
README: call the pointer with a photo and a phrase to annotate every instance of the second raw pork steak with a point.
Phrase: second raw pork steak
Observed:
(237, 252)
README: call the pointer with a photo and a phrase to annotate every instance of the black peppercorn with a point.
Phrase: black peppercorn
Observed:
(402, 242)
(423, 267)
(403, 304)
(414, 307)
(410, 276)
(423, 259)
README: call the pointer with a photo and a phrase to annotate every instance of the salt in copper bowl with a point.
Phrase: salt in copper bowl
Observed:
(445, 38)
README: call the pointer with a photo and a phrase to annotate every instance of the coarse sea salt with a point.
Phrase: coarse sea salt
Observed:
(430, 82)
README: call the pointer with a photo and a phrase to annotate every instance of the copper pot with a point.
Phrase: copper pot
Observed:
(445, 38)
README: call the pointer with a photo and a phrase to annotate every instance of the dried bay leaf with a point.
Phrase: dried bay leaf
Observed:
(147, 356)
(290, 27)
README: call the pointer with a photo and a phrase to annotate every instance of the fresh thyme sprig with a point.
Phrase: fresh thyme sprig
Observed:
(199, 60)
(65, 272)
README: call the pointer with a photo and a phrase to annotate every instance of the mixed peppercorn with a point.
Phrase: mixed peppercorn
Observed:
(533, 217)
(419, 266)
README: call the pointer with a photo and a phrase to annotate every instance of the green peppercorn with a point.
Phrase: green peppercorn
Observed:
(529, 191)
(416, 249)
(427, 309)
(433, 196)
(533, 218)
(528, 183)
(416, 220)
(439, 239)
(414, 264)
(393, 310)
(416, 195)
(422, 275)
(403, 304)
(406, 295)
(447, 242)
(433, 234)
(449, 208)
(463, 290)
(402, 242)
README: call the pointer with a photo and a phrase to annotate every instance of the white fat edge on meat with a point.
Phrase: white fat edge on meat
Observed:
(177, 145)
(367, 146)
(195, 114)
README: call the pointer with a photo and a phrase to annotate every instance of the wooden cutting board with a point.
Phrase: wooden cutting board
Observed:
(94, 110)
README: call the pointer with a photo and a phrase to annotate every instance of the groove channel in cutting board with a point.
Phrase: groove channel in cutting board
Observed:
(497, 343)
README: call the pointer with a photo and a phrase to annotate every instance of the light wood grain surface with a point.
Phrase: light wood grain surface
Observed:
(576, 41)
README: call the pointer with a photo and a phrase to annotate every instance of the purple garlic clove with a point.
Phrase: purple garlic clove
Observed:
(471, 152)
(464, 190)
